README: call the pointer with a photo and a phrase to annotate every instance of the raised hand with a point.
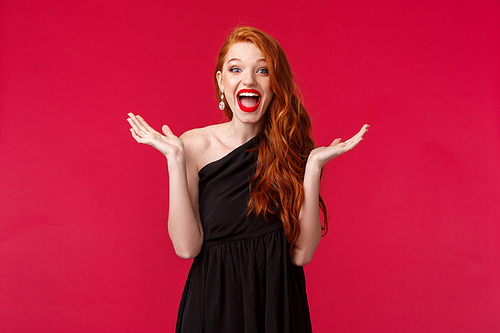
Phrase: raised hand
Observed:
(323, 155)
(167, 144)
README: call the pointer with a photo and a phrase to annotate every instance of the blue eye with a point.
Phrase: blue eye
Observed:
(234, 69)
(263, 71)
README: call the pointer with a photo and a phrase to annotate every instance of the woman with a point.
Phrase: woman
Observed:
(244, 195)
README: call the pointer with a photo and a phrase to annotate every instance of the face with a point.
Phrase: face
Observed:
(245, 81)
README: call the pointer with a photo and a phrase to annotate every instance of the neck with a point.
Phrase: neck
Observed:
(241, 133)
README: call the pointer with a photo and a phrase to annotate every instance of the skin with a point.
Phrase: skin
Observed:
(244, 68)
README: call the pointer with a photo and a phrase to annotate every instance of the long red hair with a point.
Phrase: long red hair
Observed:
(277, 187)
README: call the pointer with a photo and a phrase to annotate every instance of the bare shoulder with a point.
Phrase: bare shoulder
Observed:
(194, 139)
(200, 144)
(200, 139)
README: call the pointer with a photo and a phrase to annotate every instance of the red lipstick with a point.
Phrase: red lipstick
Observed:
(248, 93)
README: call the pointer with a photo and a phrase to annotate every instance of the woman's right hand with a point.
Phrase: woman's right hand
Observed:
(184, 226)
(167, 144)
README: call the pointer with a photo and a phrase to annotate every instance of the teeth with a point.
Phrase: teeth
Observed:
(247, 94)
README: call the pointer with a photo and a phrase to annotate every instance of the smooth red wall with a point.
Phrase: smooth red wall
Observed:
(414, 235)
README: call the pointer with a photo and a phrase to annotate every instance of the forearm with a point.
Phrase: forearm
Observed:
(309, 219)
(310, 224)
(184, 227)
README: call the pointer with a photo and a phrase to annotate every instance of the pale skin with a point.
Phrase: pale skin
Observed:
(244, 68)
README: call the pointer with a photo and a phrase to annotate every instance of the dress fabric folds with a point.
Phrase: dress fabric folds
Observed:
(242, 280)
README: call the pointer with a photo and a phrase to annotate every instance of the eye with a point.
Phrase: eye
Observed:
(234, 69)
(263, 71)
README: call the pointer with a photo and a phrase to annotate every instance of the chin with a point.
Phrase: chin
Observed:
(250, 117)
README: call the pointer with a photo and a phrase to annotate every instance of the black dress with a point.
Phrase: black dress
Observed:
(242, 281)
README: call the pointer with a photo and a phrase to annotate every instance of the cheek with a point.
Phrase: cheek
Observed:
(228, 87)
(229, 98)
(269, 97)
(269, 92)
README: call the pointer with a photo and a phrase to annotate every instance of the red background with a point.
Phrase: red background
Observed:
(414, 242)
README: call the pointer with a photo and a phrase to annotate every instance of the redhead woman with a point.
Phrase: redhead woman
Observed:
(244, 195)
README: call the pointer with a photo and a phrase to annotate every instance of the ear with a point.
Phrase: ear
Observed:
(218, 75)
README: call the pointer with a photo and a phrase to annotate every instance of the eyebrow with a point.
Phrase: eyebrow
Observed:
(259, 60)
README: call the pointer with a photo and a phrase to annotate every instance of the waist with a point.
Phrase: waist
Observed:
(245, 236)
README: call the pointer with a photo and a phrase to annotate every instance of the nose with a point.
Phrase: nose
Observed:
(249, 78)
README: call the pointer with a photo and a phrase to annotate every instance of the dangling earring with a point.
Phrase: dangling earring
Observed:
(221, 104)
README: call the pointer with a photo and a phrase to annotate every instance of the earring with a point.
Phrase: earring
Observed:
(221, 104)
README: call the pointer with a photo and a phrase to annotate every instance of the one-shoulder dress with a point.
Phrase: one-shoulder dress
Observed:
(242, 280)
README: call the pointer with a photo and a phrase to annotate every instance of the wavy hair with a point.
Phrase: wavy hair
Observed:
(286, 138)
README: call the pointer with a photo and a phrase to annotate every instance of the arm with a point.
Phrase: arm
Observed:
(310, 224)
(184, 225)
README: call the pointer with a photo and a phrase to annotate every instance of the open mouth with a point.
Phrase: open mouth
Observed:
(248, 100)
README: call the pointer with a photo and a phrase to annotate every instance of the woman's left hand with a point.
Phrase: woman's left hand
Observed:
(323, 155)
